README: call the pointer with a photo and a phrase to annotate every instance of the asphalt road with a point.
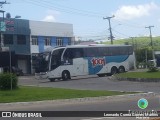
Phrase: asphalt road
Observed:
(93, 83)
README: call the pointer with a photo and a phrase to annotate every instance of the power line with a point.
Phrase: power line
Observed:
(131, 24)
(62, 9)
(79, 10)
(121, 33)
(70, 10)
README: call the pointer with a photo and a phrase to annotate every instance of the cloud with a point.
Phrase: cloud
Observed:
(131, 12)
(51, 16)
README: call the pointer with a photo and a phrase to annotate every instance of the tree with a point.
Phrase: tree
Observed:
(141, 55)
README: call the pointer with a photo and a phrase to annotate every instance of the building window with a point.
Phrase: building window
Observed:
(21, 39)
(34, 40)
(59, 42)
(47, 41)
(8, 39)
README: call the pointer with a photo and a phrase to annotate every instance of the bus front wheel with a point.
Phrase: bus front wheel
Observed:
(66, 75)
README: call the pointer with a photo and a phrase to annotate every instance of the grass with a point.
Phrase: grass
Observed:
(139, 75)
(26, 94)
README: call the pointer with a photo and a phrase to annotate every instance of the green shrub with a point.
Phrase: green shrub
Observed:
(6, 79)
(152, 69)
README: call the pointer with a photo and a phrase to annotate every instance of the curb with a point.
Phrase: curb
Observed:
(136, 79)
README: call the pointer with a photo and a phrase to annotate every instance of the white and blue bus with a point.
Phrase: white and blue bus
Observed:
(79, 60)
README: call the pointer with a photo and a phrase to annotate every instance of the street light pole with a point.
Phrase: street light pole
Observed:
(10, 54)
(110, 29)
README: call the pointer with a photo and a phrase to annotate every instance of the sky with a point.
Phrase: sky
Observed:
(130, 16)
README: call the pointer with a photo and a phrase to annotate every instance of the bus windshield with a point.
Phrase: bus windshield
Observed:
(56, 58)
(42, 62)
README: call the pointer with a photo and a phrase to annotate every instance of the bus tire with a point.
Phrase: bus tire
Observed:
(114, 70)
(52, 79)
(121, 69)
(66, 75)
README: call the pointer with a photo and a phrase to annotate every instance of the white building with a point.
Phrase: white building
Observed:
(26, 38)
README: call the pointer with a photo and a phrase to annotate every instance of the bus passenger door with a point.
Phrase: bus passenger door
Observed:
(80, 66)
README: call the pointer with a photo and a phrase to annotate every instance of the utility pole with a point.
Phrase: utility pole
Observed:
(150, 27)
(110, 29)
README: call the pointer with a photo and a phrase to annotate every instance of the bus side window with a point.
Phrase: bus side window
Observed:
(78, 53)
(103, 51)
(123, 50)
(68, 54)
(111, 51)
(91, 52)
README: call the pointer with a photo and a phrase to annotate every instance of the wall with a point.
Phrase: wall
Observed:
(18, 27)
(51, 29)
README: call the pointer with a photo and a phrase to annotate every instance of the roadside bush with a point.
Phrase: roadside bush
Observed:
(153, 69)
(5, 81)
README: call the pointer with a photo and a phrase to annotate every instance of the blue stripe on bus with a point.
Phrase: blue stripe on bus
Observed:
(118, 59)
(95, 64)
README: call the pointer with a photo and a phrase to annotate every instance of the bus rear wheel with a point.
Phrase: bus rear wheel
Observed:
(114, 70)
(66, 75)
(121, 69)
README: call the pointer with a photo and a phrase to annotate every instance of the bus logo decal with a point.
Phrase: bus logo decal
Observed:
(98, 61)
